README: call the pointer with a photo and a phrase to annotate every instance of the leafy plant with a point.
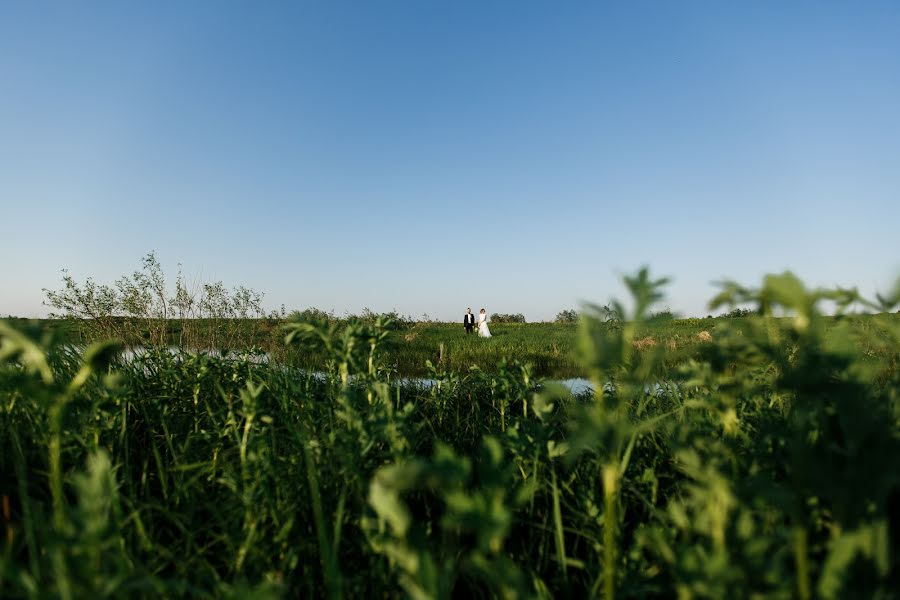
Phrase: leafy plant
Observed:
(566, 316)
(756, 462)
(508, 318)
(139, 310)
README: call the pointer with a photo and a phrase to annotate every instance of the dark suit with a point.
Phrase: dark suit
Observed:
(469, 322)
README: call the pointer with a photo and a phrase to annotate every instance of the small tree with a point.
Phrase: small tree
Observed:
(737, 313)
(138, 309)
(312, 315)
(510, 318)
(566, 316)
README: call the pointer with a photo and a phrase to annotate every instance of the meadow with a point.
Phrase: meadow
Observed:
(550, 349)
(758, 461)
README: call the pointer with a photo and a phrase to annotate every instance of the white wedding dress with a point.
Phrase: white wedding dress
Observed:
(483, 330)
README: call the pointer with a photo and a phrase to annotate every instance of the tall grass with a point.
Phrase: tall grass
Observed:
(762, 464)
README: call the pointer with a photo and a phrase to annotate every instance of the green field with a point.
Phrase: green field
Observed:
(550, 349)
(758, 461)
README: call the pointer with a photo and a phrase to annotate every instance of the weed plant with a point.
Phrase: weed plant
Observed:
(761, 466)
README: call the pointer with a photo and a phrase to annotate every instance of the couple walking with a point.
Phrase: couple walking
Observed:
(469, 323)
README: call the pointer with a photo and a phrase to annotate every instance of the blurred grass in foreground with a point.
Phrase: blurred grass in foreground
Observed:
(759, 464)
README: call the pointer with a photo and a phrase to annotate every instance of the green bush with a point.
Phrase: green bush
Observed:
(763, 467)
(566, 316)
(504, 318)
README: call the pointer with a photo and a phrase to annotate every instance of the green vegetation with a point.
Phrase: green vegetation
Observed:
(139, 309)
(507, 318)
(567, 316)
(549, 348)
(143, 312)
(760, 463)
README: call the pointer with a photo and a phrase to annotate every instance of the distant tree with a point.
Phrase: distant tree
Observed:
(370, 316)
(399, 319)
(567, 316)
(311, 315)
(277, 314)
(737, 313)
(504, 318)
(140, 308)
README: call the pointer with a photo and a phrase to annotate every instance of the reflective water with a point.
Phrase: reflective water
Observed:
(578, 385)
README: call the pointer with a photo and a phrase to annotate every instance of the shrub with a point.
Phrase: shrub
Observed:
(737, 313)
(312, 315)
(139, 309)
(566, 316)
(511, 318)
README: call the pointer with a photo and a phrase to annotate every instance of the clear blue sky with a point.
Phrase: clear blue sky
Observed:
(429, 156)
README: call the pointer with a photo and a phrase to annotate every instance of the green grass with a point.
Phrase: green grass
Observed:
(547, 347)
(759, 463)
(550, 349)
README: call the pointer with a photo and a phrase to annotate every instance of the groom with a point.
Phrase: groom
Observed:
(469, 320)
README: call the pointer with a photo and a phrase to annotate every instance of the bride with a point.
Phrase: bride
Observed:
(483, 330)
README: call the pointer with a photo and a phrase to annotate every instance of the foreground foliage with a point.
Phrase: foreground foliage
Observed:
(764, 465)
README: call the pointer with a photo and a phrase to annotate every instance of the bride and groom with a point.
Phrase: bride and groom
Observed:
(469, 323)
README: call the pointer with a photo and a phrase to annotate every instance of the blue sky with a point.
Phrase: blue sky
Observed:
(426, 156)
